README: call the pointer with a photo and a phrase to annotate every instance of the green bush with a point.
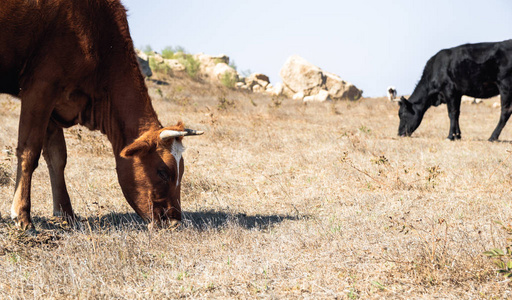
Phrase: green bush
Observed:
(190, 63)
(159, 67)
(187, 60)
(168, 52)
(228, 80)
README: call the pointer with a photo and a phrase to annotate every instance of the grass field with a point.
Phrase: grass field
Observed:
(281, 200)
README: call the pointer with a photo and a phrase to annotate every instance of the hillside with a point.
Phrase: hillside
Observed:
(281, 199)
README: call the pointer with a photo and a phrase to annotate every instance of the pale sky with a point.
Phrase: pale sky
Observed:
(370, 43)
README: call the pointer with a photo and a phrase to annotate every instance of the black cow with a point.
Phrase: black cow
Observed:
(479, 70)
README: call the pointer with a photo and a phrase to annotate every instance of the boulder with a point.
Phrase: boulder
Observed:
(213, 68)
(299, 75)
(287, 92)
(298, 96)
(143, 61)
(208, 64)
(339, 89)
(222, 68)
(257, 79)
(322, 96)
(277, 90)
(156, 57)
(258, 89)
(175, 65)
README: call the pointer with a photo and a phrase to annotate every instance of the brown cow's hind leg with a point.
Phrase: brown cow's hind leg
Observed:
(54, 152)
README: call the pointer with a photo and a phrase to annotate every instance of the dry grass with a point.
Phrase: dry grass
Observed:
(281, 200)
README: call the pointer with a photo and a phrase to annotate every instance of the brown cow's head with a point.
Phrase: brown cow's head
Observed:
(150, 171)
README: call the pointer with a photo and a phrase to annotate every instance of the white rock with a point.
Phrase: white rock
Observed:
(322, 96)
(299, 75)
(298, 96)
(175, 65)
(278, 89)
(222, 68)
(258, 89)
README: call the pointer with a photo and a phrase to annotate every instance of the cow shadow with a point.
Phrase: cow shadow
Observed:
(215, 220)
(158, 82)
(199, 221)
(493, 142)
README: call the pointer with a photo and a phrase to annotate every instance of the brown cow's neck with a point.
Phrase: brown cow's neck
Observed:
(123, 112)
(134, 115)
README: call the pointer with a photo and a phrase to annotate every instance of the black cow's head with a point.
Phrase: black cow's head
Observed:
(409, 119)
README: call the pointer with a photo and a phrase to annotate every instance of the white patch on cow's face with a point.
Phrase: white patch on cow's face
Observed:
(177, 149)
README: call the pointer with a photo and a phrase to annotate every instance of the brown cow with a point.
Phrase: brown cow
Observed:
(73, 62)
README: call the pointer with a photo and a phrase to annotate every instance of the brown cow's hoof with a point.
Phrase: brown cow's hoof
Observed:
(25, 225)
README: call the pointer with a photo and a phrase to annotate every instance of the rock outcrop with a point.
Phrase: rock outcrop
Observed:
(300, 76)
(212, 68)
(143, 61)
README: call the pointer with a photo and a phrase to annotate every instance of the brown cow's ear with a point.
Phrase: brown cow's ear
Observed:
(138, 147)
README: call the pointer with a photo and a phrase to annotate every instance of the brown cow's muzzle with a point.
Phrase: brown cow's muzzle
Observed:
(165, 218)
(170, 224)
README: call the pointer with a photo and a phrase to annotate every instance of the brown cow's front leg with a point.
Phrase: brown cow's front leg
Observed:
(54, 152)
(36, 107)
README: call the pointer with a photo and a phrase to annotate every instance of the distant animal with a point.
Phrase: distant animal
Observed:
(73, 62)
(480, 70)
(391, 93)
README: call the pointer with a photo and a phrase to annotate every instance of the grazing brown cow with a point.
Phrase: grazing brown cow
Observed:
(73, 62)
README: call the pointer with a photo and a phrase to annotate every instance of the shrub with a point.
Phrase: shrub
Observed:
(168, 52)
(159, 67)
(228, 79)
(189, 62)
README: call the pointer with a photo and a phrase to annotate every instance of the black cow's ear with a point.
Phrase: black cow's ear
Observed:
(404, 101)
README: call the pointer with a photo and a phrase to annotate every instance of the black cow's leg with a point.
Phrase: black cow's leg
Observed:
(453, 103)
(54, 152)
(506, 110)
